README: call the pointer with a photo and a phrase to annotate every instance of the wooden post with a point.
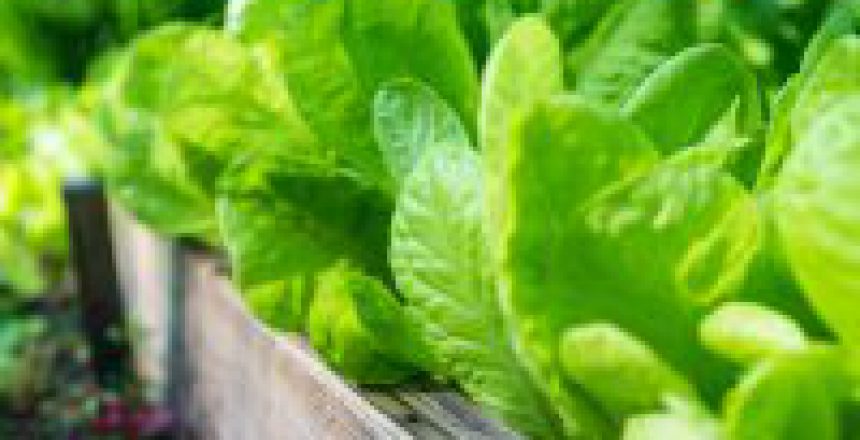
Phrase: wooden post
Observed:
(178, 380)
(97, 283)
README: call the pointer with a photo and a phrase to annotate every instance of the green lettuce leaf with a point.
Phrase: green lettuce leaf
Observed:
(497, 16)
(336, 54)
(828, 71)
(148, 177)
(817, 215)
(285, 218)
(272, 264)
(484, 22)
(32, 224)
(836, 73)
(549, 143)
(178, 109)
(618, 371)
(408, 118)
(358, 326)
(599, 223)
(572, 20)
(524, 67)
(680, 422)
(791, 396)
(747, 332)
(664, 107)
(442, 267)
(770, 281)
(629, 42)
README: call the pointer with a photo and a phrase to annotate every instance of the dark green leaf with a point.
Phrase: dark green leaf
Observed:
(631, 40)
(786, 397)
(674, 117)
(360, 329)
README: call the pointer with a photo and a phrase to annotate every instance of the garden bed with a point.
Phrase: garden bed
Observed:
(230, 377)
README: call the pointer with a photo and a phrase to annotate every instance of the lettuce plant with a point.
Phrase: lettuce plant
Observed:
(593, 219)
(33, 162)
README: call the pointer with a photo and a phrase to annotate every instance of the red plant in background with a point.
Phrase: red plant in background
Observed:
(117, 416)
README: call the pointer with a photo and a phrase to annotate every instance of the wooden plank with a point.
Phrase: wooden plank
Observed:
(97, 282)
(242, 381)
(143, 263)
(450, 416)
(417, 417)
(255, 384)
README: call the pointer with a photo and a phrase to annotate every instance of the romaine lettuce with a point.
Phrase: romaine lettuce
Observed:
(816, 213)
(180, 105)
(581, 244)
(442, 267)
(335, 54)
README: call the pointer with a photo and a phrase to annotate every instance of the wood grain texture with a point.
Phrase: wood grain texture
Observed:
(252, 384)
(242, 381)
(143, 265)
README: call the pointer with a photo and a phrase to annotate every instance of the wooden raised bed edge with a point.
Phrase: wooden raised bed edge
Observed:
(232, 378)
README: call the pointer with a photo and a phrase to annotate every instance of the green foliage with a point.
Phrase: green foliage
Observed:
(449, 289)
(34, 158)
(720, 81)
(524, 67)
(408, 118)
(620, 372)
(336, 54)
(47, 135)
(681, 422)
(618, 201)
(284, 219)
(21, 374)
(176, 125)
(816, 219)
(56, 40)
(789, 109)
(32, 224)
(356, 325)
(640, 223)
(747, 332)
(629, 42)
(793, 396)
(770, 35)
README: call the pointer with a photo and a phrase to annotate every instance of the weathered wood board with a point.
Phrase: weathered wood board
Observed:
(144, 270)
(248, 383)
(238, 380)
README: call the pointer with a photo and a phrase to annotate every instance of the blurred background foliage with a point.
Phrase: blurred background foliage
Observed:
(48, 49)
(56, 40)
(770, 34)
